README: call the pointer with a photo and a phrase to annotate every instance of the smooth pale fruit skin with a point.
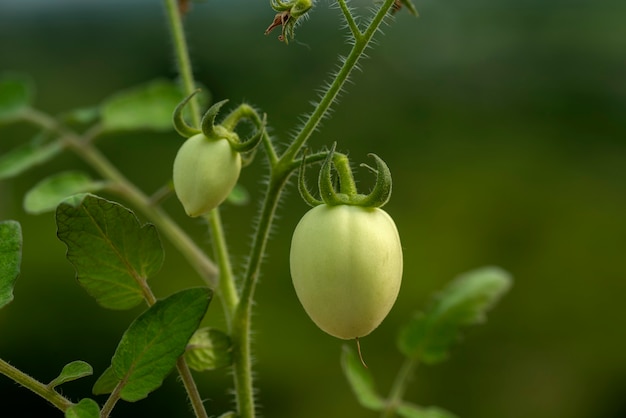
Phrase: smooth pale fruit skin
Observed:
(346, 267)
(205, 172)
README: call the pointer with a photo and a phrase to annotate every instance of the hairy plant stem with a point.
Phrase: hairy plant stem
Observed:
(399, 386)
(183, 61)
(227, 289)
(280, 173)
(242, 355)
(36, 386)
(361, 41)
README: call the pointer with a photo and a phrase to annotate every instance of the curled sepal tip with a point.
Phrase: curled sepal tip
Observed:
(250, 143)
(208, 120)
(303, 189)
(179, 121)
(325, 182)
(381, 192)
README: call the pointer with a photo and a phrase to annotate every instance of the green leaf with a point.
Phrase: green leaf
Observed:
(360, 380)
(209, 349)
(112, 253)
(48, 193)
(150, 347)
(22, 158)
(10, 259)
(72, 371)
(228, 415)
(106, 382)
(86, 408)
(465, 301)
(81, 116)
(239, 196)
(408, 410)
(149, 106)
(16, 94)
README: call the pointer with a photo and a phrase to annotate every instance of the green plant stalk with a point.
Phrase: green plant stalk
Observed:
(192, 389)
(360, 44)
(242, 357)
(182, 57)
(227, 289)
(36, 386)
(399, 387)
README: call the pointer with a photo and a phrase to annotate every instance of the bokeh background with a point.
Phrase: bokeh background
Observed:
(504, 124)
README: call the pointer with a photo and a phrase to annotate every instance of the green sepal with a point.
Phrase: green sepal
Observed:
(209, 349)
(10, 259)
(46, 195)
(86, 408)
(72, 371)
(208, 121)
(251, 143)
(360, 380)
(325, 183)
(180, 125)
(112, 253)
(465, 301)
(381, 193)
(150, 347)
(302, 187)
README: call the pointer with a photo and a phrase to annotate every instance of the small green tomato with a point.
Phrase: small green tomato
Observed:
(205, 172)
(346, 266)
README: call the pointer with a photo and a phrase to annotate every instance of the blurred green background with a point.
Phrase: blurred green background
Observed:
(504, 125)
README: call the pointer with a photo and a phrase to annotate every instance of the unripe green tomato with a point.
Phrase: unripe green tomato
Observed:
(346, 267)
(205, 172)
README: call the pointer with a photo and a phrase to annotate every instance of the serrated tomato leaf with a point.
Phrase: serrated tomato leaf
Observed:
(10, 259)
(360, 380)
(112, 253)
(150, 347)
(46, 195)
(86, 408)
(465, 301)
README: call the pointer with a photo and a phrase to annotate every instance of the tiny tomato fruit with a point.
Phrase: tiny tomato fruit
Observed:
(205, 172)
(346, 267)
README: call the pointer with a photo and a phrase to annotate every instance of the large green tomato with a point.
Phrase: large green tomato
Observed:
(346, 267)
(205, 172)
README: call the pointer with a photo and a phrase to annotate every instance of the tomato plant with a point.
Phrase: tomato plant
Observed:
(346, 256)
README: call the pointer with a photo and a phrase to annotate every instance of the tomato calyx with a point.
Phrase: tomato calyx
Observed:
(347, 193)
(287, 17)
(225, 130)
